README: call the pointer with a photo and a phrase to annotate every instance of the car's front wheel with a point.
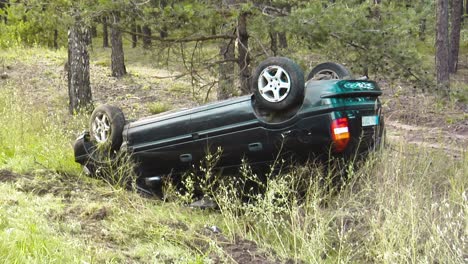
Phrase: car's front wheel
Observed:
(106, 126)
(278, 83)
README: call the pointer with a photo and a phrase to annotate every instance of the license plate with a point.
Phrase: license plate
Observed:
(370, 120)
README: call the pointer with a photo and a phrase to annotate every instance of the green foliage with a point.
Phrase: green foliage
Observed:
(366, 37)
(25, 232)
(158, 107)
(34, 22)
(391, 40)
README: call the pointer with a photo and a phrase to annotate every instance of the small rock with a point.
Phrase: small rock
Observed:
(204, 203)
(213, 229)
(4, 75)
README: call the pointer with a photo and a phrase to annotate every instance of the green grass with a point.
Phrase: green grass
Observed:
(25, 233)
(32, 137)
(158, 107)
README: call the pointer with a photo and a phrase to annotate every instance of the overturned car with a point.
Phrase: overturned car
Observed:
(329, 115)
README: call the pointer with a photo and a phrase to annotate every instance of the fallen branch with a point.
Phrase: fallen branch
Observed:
(184, 39)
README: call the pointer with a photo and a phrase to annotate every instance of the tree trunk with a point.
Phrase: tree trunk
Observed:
(146, 31)
(274, 42)
(93, 31)
(455, 35)
(282, 38)
(134, 36)
(442, 46)
(79, 89)
(226, 70)
(422, 29)
(243, 51)
(4, 5)
(462, 12)
(163, 32)
(55, 39)
(117, 55)
(283, 41)
(105, 33)
(89, 38)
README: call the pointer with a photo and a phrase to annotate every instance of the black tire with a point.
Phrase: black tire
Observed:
(329, 71)
(282, 90)
(106, 126)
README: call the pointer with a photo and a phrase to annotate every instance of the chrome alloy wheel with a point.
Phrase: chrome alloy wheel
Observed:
(101, 128)
(274, 84)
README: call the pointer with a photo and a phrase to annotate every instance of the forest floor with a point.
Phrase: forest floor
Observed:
(410, 116)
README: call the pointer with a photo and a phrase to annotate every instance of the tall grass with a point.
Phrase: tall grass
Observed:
(26, 235)
(403, 205)
(34, 137)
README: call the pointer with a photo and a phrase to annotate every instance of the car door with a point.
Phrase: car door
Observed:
(232, 127)
(158, 143)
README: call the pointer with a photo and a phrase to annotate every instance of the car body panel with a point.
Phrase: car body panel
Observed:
(242, 130)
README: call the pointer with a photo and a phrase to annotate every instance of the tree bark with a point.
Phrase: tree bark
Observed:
(282, 39)
(146, 31)
(55, 39)
(455, 35)
(243, 51)
(134, 35)
(79, 89)
(117, 55)
(163, 32)
(442, 47)
(93, 31)
(226, 70)
(422, 29)
(274, 42)
(105, 33)
(4, 5)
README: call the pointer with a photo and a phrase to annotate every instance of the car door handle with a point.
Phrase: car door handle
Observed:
(257, 146)
(185, 157)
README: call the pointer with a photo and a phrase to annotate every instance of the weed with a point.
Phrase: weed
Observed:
(179, 88)
(115, 168)
(399, 205)
(102, 63)
(158, 107)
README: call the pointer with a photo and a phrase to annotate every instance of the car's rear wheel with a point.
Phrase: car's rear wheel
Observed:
(329, 71)
(106, 126)
(278, 83)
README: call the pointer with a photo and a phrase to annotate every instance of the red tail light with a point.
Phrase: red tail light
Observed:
(340, 133)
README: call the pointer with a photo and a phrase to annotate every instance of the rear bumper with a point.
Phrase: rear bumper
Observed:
(365, 139)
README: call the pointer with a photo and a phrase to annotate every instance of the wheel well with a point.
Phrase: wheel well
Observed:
(271, 116)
